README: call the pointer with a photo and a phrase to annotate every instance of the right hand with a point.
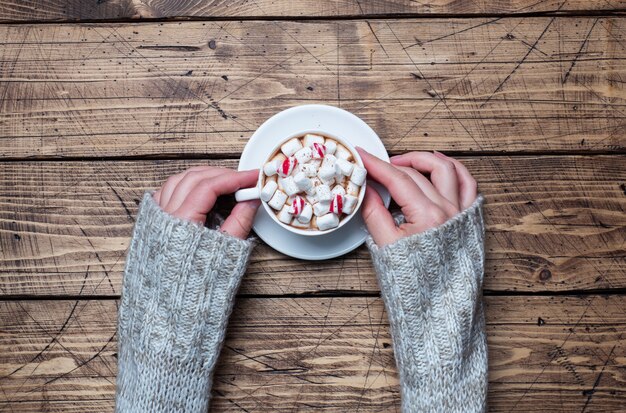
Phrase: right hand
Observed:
(190, 195)
(425, 203)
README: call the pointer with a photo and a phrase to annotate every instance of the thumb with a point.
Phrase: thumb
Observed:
(378, 220)
(239, 222)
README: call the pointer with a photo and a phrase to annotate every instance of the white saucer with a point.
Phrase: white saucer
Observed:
(322, 119)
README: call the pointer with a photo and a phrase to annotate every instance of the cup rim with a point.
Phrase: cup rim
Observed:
(309, 232)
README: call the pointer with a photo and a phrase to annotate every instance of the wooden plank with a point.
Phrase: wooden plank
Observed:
(77, 10)
(202, 88)
(331, 353)
(554, 224)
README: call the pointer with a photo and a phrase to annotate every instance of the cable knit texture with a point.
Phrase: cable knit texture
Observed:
(181, 279)
(431, 284)
(179, 286)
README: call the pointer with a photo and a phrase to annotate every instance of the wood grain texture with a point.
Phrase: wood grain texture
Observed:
(495, 85)
(327, 353)
(77, 10)
(553, 224)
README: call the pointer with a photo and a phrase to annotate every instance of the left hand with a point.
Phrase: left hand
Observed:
(190, 195)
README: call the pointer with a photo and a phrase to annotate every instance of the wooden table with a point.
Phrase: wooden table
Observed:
(103, 100)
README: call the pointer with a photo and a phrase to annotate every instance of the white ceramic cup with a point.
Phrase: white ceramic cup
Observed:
(255, 192)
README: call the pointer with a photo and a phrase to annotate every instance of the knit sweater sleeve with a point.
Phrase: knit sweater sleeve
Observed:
(179, 284)
(431, 284)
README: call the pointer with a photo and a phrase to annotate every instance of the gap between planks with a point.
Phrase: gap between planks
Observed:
(332, 294)
(235, 156)
(618, 12)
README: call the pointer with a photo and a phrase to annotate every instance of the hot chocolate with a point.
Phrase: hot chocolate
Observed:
(312, 182)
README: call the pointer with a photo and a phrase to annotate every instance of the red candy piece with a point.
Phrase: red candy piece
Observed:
(287, 166)
(336, 204)
(297, 206)
(319, 150)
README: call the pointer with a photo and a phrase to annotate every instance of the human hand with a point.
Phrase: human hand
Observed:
(425, 203)
(190, 195)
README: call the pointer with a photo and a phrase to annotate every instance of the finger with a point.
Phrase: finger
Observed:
(468, 190)
(170, 185)
(442, 172)
(202, 197)
(168, 188)
(378, 220)
(429, 190)
(188, 182)
(401, 186)
(157, 196)
(239, 222)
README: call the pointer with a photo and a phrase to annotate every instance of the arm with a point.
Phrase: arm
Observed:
(178, 292)
(430, 274)
(431, 285)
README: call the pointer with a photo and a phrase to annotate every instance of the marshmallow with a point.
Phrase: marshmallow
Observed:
(326, 172)
(358, 175)
(284, 216)
(304, 155)
(329, 160)
(352, 189)
(344, 167)
(289, 186)
(331, 146)
(286, 168)
(315, 182)
(319, 150)
(278, 200)
(309, 169)
(296, 169)
(297, 206)
(310, 139)
(328, 182)
(296, 223)
(327, 221)
(323, 193)
(321, 208)
(306, 214)
(349, 202)
(268, 190)
(311, 198)
(343, 152)
(336, 205)
(291, 146)
(271, 178)
(302, 181)
(279, 157)
(271, 168)
(338, 189)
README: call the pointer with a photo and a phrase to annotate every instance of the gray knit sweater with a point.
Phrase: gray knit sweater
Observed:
(180, 282)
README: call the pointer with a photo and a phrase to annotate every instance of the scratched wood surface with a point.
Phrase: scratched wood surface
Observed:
(98, 104)
(327, 353)
(29, 10)
(490, 85)
(553, 224)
